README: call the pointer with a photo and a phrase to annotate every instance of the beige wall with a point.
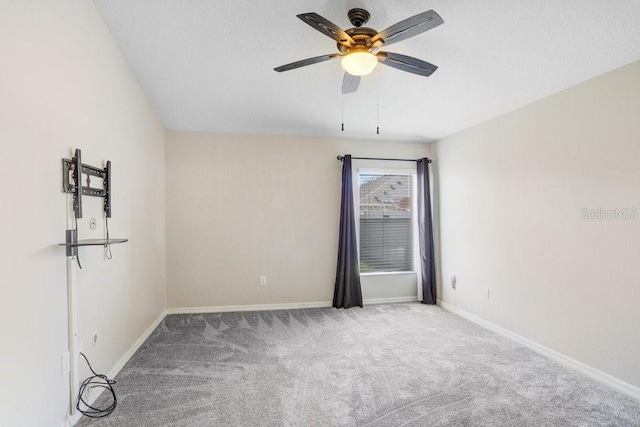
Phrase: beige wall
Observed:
(241, 206)
(64, 84)
(511, 191)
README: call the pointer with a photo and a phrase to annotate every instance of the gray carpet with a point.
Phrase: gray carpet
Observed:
(385, 365)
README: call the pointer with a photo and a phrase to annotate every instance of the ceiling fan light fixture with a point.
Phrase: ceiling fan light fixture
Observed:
(359, 63)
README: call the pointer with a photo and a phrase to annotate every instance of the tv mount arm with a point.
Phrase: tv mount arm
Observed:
(73, 169)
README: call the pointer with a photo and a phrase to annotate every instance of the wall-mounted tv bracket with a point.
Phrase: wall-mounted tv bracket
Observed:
(72, 171)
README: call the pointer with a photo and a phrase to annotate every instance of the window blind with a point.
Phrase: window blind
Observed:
(386, 226)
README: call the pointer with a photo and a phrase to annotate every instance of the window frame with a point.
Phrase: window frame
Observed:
(413, 174)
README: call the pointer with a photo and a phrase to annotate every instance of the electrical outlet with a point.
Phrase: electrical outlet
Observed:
(453, 281)
(263, 280)
(66, 365)
(487, 293)
(94, 338)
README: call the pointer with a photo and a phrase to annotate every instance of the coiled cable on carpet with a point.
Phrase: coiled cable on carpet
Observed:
(100, 381)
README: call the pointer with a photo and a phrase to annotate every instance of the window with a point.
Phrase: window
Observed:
(386, 226)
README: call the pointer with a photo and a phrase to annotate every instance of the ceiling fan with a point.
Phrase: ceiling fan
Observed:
(359, 46)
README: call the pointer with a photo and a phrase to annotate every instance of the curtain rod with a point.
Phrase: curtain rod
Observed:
(380, 158)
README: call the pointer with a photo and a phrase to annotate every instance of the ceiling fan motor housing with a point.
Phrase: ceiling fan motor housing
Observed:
(361, 35)
(358, 17)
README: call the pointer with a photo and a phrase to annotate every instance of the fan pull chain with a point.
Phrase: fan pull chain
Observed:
(342, 102)
(377, 104)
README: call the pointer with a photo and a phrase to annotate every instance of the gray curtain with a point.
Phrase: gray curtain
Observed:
(348, 292)
(425, 229)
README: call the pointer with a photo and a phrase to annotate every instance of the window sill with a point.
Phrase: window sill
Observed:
(388, 273)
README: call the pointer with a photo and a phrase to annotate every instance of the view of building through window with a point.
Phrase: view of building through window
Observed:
(386, 226)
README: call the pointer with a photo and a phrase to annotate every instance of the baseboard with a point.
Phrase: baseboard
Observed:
(252, 307)
(611, 381)
(391, 300)
(95, 393)
(136, 345)
(284, 306)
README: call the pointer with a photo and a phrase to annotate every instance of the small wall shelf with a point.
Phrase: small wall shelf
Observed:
(72, 244)
(94, 242)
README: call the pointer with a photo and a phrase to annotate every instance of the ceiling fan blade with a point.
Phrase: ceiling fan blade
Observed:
(406, 63)
(327, 28)
(305, 62)
(409, 27)
(350, 83)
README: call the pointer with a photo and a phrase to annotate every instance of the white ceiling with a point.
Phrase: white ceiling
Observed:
(207, 65)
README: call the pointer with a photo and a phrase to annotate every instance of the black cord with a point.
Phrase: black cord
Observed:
(77, 251)
(107, 247)
(96, 380)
